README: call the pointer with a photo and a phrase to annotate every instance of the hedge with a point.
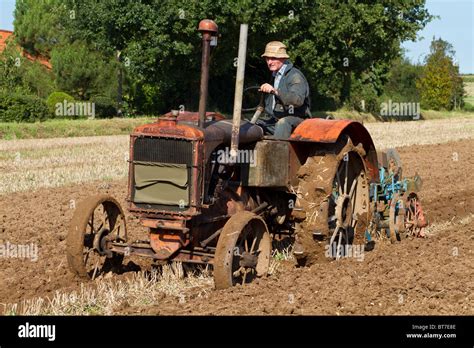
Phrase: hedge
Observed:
(18, 107)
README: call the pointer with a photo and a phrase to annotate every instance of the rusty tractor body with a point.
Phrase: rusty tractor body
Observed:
(200, 202)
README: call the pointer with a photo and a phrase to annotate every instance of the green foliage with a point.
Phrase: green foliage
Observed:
(147, 98)
(79, 70)
(364, 96)
(344, 48)
(10, 72)
(38, 79)
(20, 107)
(339, 38)
(18, 72)
(440, 85)
(57, 97)
(37, 27)
(64, 127)
(104, 106)
(159, 40)
(401, 81)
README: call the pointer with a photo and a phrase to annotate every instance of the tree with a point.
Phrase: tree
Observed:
(159, 48)
(10, 67)
(37, 25)
(440, 85)
(339, 40)
(332, 40)
(17, 72)
(80, 71)
(401, 80)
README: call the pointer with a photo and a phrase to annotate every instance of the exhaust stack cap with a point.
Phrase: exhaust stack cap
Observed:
(208, 25)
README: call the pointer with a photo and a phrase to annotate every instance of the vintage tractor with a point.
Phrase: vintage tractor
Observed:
(215, 191)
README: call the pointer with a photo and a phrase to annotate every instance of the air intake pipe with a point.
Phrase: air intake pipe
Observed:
(208, 28)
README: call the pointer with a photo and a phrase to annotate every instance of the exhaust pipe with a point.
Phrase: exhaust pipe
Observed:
(239, 90)
(208, 28)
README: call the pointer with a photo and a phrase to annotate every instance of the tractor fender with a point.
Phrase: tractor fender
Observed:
(330, 131)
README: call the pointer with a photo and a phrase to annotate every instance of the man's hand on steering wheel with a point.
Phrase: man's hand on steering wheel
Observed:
(268, 88)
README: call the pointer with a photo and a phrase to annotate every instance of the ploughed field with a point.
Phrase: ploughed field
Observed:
(42, 180)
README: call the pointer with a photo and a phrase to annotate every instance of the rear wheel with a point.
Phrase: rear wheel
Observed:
(95, 221)
(332, 207)
(243, 251)
(397, 218)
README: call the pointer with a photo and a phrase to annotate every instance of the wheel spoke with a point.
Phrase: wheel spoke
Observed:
(86, 255)
(244, 277)
(91, 224)
(353, 186)
(346, 176)
(246, 245)
(104, 219)
(333, 235)
(95, 269)
(339, 186)
(353, 221)
(352, 195)
(253, 244)
(338, 247)
(238, 272)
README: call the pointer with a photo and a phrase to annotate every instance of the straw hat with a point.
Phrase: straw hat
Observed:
(275, 49)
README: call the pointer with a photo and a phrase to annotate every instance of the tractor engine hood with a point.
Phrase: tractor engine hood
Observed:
(185, 126)
(221, 131)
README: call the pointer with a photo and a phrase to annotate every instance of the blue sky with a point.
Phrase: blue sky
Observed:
(455, 25)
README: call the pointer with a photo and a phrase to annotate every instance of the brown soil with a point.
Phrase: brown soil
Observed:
(421, 276)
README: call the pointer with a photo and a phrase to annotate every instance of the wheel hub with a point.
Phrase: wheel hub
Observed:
(248, 260)
(100, 242)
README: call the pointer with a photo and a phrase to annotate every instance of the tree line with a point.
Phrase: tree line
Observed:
(143, 57)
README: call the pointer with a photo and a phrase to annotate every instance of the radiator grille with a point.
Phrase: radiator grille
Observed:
(162, 150)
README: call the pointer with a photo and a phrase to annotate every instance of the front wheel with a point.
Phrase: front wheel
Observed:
(96, 220)
(243, 251)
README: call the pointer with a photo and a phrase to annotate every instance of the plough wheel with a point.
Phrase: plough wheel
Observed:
(96, 219)
(243, 250)
(332, 206)
(397, 219)
(415, 221)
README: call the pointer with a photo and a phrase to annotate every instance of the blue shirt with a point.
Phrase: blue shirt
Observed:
(278, 75)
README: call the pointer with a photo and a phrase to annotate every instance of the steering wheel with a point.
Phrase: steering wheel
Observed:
(261, 105)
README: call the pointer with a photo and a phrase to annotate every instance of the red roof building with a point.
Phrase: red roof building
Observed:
(6, 34)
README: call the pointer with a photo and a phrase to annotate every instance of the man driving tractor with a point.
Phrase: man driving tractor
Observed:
(288, 100)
